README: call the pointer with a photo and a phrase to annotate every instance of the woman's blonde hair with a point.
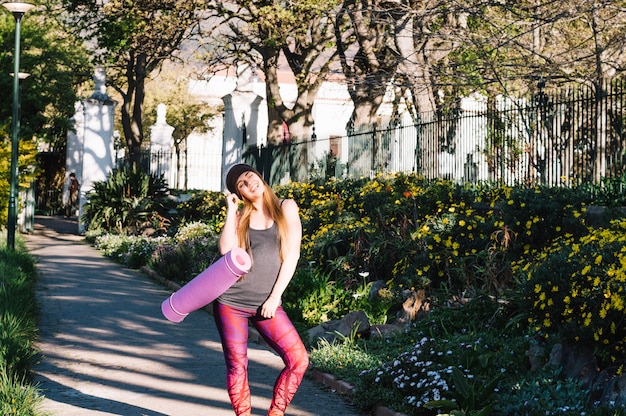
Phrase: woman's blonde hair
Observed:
(274, 208)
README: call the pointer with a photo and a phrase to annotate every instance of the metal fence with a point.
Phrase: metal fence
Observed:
(566, 138)
(569, 137)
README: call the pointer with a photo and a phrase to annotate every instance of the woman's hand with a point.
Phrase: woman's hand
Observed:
(232, 202)
(228, 237)
(268, 310)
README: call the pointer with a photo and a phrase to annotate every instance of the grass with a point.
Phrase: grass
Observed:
(19, 395)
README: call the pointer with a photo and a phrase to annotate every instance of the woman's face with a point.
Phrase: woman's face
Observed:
(250, 185)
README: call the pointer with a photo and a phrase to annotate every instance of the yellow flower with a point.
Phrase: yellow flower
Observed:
(585, 270)
(599, 259)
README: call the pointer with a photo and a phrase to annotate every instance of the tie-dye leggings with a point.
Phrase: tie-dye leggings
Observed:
(280, 335)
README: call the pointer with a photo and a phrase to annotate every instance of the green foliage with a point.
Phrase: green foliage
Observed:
(57, 64)
(26, 160)
(17, 396)
(444, 373)
(543, 393)
(18, 332)
(343, 359)
(205, 206)
(129, 201)
(18, 329)
(313, 298)
(192, 250)
(195, 230)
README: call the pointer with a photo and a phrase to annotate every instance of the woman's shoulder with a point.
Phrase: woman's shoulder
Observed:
(289, 206)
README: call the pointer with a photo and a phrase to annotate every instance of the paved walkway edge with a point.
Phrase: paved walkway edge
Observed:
(338, 386)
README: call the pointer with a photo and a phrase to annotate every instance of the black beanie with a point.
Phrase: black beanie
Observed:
(233, 174)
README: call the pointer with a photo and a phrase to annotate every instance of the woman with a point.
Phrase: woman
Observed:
(270, 230)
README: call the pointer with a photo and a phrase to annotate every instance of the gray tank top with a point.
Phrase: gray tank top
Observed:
(252, 291)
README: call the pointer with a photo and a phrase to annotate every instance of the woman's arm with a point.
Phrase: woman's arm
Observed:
(292, 254)
(228, 238)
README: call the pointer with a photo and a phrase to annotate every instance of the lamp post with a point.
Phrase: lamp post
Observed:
(18, 10)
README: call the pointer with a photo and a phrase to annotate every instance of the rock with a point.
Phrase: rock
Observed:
(352, 323)
(614, 392)
(535, 355)
(577, 362)
(377, 286)
(385, 330)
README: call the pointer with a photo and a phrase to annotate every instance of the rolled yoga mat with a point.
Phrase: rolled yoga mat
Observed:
(207, 286)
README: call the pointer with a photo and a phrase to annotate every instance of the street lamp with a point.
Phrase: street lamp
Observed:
(18, 10)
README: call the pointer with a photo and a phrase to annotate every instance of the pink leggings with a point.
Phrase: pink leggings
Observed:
(280, 335)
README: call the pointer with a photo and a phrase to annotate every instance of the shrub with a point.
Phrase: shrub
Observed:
(313, 298)
(183, 260)
(543, 393)
(131, 251)
(576, 291)
(18, 332)
(202, 206)
(129, 201)
(17, 396)
(193, 230)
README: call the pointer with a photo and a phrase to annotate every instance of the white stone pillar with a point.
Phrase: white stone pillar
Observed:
(162, 146)
(241, 118)
(90, 149)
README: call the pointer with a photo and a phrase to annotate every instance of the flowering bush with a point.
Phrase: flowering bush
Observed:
(201, 206)
(194, 229)
(576, 290)
(131, 251)
(437, 374)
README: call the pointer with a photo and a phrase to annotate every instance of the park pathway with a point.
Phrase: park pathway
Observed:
(107, 349)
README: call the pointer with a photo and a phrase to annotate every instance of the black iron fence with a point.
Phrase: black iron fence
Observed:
(570, 137)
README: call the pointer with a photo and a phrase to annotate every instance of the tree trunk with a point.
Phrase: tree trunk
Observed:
(132, 107)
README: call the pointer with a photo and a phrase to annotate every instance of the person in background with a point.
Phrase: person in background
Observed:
(71, 203)
(270, 230)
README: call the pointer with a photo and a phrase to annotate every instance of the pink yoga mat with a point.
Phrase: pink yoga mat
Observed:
(207, 286)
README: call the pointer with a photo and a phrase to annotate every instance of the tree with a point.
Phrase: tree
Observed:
(55, 62)
(366, 26)
(262, 34)
(132, 39)
(544, 42)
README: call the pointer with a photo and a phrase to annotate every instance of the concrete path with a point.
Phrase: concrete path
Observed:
(107, 349)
